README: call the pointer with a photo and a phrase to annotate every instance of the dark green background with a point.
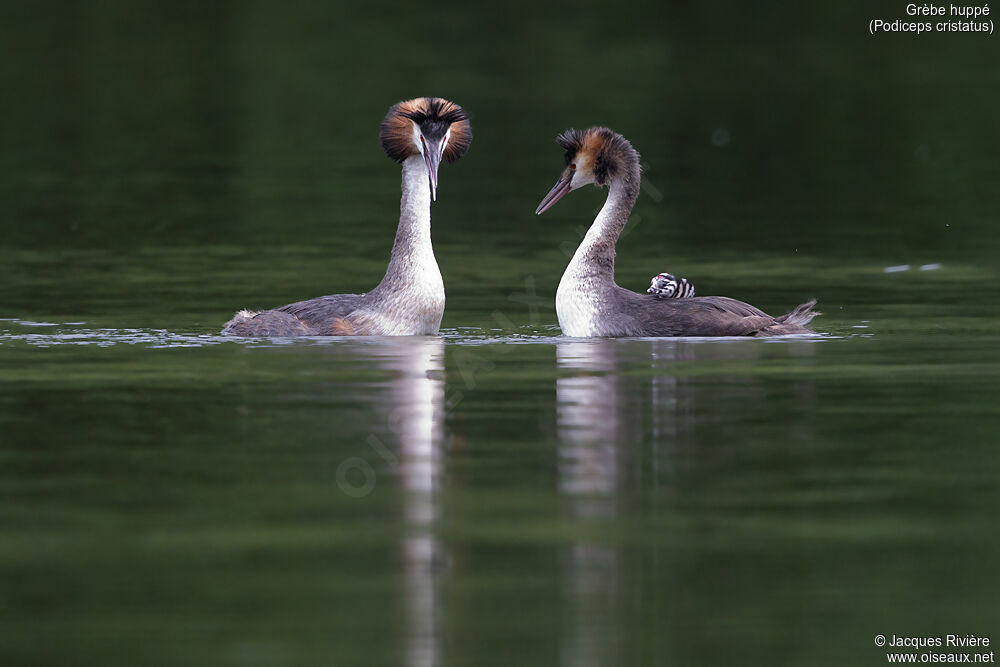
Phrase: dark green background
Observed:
(171, 498)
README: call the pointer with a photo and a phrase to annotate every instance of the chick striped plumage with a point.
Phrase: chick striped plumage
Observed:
(668, 286)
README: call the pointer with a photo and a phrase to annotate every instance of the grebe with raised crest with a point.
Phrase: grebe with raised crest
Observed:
(409, 300)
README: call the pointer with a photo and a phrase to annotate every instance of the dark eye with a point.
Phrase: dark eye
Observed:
(573, 166)
(422, 139)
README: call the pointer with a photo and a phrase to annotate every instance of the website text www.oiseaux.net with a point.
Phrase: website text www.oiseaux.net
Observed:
(948, 649)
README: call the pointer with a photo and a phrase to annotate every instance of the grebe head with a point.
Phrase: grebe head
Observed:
(428, 126)
(668, 286)
(596, 155)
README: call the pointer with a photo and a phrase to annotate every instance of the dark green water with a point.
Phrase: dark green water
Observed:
(498, 494)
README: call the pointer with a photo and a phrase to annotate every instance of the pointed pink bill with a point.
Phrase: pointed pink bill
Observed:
(557, 192)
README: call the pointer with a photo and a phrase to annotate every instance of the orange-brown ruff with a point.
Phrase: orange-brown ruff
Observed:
(410, 299)
(589, 303)
(396, 130)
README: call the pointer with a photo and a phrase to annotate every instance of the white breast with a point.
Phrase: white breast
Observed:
(426, 307)
(576, 308)
(416, 310)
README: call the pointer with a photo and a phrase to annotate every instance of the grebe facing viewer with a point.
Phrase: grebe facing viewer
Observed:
(589, 303)
(410, 299)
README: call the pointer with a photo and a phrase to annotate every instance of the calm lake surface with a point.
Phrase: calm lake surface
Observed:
(498, 494)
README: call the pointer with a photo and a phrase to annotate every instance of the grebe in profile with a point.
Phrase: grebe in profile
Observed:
(589, 303)
(419, 133)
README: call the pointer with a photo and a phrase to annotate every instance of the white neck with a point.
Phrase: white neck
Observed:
(583, 292)
(412, 252)
(596, 255)
(410, 298)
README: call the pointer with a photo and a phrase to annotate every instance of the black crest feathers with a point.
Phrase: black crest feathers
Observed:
(610, 152)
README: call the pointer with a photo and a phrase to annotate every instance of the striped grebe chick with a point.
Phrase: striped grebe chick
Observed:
(418, 133)
(668, 286)
(589, 303)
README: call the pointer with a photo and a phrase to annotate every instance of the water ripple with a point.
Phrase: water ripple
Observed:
(75, 333)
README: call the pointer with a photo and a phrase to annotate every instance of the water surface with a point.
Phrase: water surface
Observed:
(498, 494)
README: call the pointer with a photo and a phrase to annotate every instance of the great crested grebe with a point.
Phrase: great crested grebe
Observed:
(589, 303)
(419, 133)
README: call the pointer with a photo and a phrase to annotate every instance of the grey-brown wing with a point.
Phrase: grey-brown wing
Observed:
(267, 323)
(697, 316)
(321, 311)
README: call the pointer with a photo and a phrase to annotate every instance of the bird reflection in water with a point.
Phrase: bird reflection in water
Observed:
(415, 413)
(589, 467)
(623, 415)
